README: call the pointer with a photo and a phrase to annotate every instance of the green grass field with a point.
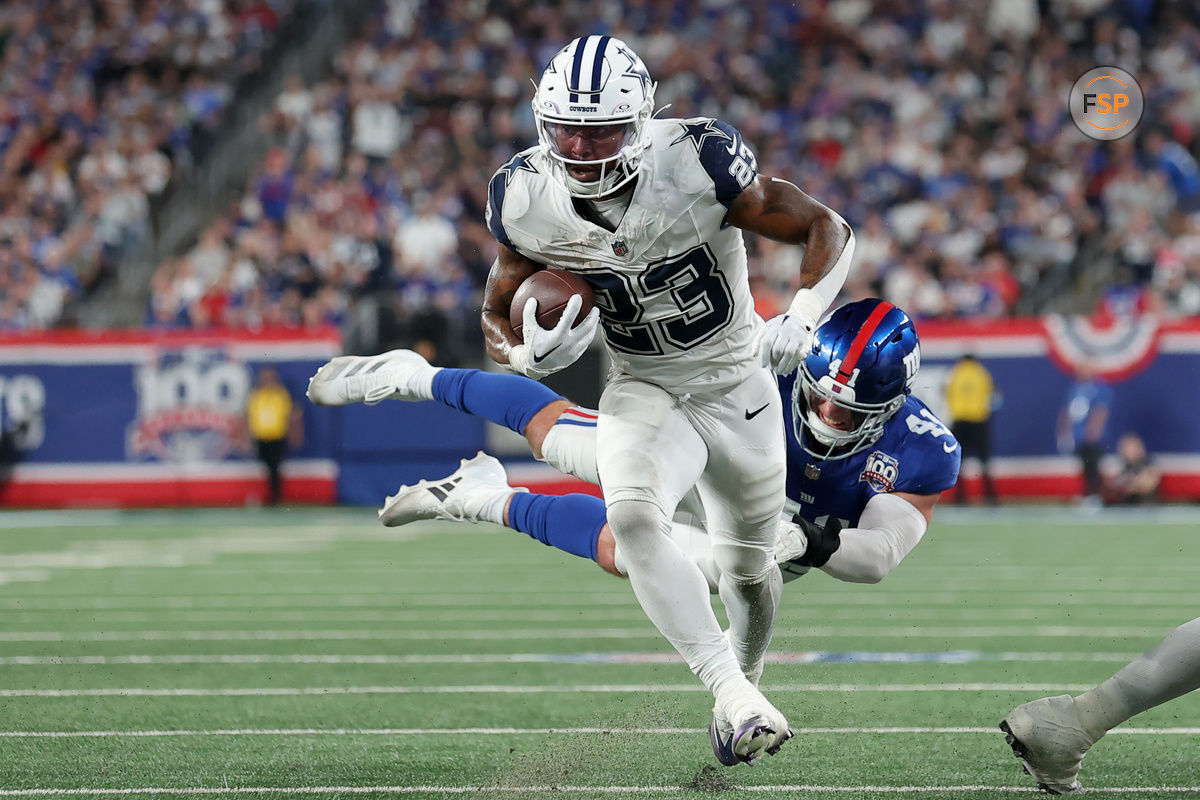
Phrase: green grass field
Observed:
(315, 653)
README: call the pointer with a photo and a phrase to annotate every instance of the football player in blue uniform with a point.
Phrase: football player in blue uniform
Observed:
(866, 460)
(650, 212)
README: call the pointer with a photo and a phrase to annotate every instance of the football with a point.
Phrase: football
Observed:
(552, 288)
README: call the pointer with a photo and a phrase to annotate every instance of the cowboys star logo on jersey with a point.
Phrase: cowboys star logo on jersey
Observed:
(881, 471)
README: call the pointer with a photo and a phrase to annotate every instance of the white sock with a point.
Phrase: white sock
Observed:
(492, 509)
(420, 384)
(619, 560)
(1161, 674)
(572, 449)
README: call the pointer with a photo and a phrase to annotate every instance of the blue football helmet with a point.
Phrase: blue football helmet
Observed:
(858, 373)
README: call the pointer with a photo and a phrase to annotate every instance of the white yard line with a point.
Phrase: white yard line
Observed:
(515, 598)
(325, 635)
(275, 691)
(611, 658)
(647, 632)
(512, 601)
(991, 731)
(18, 612)
(567, 789)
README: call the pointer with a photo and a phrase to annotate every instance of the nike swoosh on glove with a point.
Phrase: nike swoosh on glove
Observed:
(785, 341)
(546, 351)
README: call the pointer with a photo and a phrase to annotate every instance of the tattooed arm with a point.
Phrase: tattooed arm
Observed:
(508, 272)
(777, 209)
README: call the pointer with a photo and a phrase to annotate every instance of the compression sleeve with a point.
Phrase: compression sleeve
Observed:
(888, 529)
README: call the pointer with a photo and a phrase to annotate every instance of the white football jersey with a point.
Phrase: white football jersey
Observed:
(671, 281)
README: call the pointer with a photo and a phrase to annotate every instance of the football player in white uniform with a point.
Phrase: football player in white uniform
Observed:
(1053, 734)
(650, 212)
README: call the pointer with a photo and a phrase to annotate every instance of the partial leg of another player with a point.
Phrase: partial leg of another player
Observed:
(1052, 735)
(478, 491)
(516, 402)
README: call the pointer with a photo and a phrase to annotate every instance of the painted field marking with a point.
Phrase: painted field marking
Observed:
(991, 731)
(839, 631)
(16, 613)
(515, 598)
(559, 789)
(194, 552)
(615, 658)
(276, 691)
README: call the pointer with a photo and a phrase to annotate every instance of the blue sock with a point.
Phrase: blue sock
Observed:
(570, 522)
(508, 400)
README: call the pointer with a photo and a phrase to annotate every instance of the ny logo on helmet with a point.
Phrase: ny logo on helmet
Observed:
(912, 363)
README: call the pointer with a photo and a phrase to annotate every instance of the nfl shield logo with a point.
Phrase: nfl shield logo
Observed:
(619, 247)
(812, 471)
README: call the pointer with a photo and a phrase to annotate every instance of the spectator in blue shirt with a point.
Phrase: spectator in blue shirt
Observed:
(1081, 426)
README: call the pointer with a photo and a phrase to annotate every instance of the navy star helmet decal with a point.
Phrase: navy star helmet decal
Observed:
(699, 131)
(635, 69)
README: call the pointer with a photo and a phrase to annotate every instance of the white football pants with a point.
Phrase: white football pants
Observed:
(653, 447)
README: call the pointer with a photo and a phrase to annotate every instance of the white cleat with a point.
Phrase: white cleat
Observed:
(459, 497)
(400, 374)
(759, 728)
(1047, 736)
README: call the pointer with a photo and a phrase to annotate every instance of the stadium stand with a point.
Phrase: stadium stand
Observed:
(102, 105)
(273, 183)
(938, 130)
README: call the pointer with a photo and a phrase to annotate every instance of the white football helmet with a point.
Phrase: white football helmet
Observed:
(592, 105)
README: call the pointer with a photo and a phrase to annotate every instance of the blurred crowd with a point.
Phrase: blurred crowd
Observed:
(938, 129)
(101, 103)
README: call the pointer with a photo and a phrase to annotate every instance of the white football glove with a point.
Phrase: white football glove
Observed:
(545, 352)
(787, 338)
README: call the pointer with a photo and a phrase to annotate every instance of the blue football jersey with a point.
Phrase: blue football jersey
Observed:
(916, 454)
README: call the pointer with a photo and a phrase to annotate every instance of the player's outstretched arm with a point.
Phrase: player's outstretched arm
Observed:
(779, 210)
(891, 525)
(889, 528)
